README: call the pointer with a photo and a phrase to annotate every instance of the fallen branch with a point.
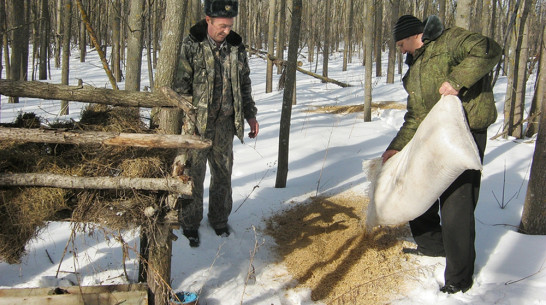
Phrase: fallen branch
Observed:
(278, 61)
(106, 138)
(101, 183)
(90, 94)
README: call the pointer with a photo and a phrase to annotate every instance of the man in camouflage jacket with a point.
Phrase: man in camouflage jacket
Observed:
(213, 68)
(449, 61)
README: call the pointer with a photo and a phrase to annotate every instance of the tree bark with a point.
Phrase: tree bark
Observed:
(326, 46)
(270, 47)
(395, 8)
(102, 138)
(116, 39)
(83, 38)
(16, 19)
(134, 45)
(533, 219)
(98, 183)
(462, 16)
(97, 45)
(378, 36)
(170, 121)
(44, 39)
(538, 96)
(67, 25)
(281, 38)
(88, 94)
(368, 43)
(286, 112)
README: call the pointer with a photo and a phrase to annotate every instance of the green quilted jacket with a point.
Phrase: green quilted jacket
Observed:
(462, 58)
(195, 76)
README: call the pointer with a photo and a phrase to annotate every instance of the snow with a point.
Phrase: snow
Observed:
(326, 152)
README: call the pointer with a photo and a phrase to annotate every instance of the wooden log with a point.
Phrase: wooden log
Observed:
(90, 94)
(99, 183)
(326, 79)
(106, 138)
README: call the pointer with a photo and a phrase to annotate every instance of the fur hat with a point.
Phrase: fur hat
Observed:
(221, 8)
(407, 26)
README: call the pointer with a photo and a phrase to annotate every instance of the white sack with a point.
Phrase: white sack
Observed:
(409, 182)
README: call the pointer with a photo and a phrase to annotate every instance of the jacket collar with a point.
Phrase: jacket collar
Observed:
(199, 33)
(433, 29)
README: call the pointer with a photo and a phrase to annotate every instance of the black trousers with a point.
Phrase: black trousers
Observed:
(454, 236)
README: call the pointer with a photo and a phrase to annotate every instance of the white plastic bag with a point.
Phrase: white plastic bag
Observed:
(413, 179)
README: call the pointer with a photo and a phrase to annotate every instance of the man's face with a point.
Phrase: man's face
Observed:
(219, 27)
(410, 44)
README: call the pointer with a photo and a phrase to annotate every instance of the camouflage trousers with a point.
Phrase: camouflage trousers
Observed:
(220, 160)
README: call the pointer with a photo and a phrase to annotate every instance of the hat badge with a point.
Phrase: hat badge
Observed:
(228, 8)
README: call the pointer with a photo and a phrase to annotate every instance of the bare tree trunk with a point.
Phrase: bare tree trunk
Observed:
(326, 46)
(170, 121)
(348, 34)
(395, 8)
(83, 38)
(533, 219)
(462, 17)
(2, 34)
(116, 37)
(368, 43)
(44, 39)
(270, 47)
(16, 19)
(378, 36)
(58, 33)
(515, 92)
(67, 25)
(134, 45)
(286, 113)
(281, 37)
(159, 241)
(149, 40)
(538, 97)
(442, 10)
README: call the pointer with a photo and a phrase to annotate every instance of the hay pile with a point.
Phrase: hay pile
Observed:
(357, 108)
(323, 244)
(25, 211)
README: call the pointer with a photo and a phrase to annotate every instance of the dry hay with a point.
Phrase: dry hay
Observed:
(357, 108)
(325, 247)
(24, 211)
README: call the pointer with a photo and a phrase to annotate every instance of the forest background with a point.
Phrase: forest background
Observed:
(38, 34)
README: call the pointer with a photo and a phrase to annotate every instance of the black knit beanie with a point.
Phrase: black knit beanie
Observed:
(407, 26)
(221, 8)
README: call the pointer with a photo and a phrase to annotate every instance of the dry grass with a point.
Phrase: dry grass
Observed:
(324, 245)
(357, 108)
(25, 211)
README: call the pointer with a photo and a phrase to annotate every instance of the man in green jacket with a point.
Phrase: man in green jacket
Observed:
(213, 68)
(449, 61)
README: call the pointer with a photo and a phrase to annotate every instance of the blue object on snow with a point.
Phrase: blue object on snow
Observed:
(184, 297)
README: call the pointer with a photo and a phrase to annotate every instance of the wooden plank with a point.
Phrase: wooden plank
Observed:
(132, 294)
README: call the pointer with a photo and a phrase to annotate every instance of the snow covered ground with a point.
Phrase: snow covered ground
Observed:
(326, 152)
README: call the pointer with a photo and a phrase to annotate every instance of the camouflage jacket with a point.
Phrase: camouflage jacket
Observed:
(462, 58)
(195, 76)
